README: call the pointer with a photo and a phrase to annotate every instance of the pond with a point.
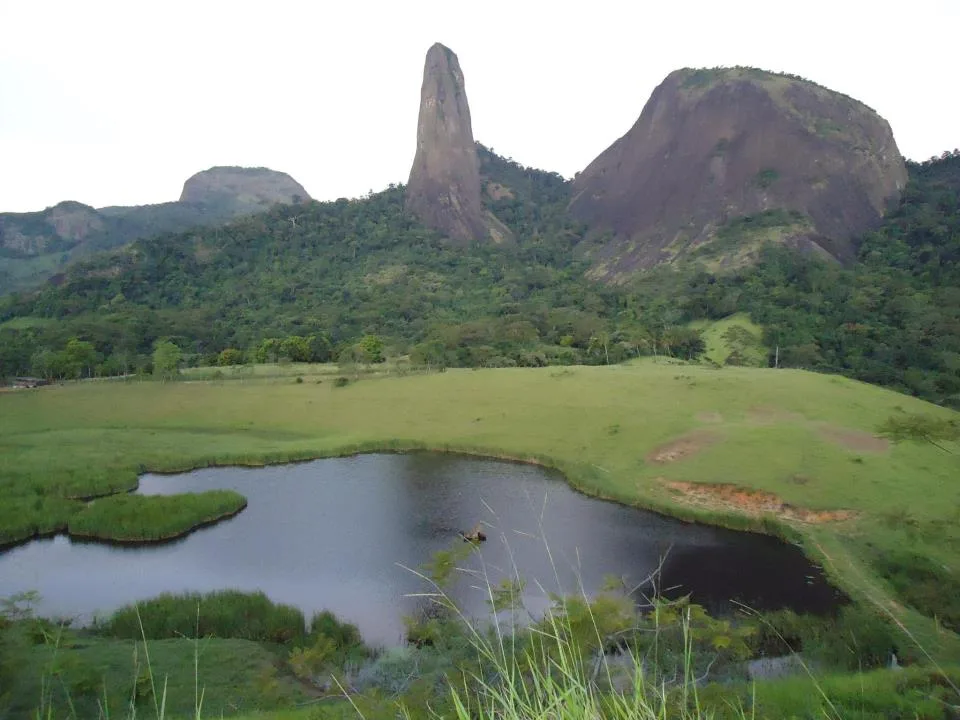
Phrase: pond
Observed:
(344, 534)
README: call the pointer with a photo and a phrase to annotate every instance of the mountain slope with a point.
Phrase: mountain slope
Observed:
(714, 149)
(344, 269)
(352, 268)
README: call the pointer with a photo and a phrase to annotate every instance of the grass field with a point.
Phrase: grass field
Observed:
(719, 346)
(633, 433)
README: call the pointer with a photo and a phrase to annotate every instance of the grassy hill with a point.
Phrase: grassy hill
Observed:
(669, 437)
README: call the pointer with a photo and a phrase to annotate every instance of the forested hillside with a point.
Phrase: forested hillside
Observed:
(333, 273)
(892, 319)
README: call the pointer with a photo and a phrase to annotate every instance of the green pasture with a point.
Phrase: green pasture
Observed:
(721, 343)
(807, 438)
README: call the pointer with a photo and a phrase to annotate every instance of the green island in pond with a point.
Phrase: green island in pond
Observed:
(138, 518)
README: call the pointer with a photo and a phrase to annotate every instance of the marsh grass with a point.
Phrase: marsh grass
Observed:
(34, 515)
(148, 518)
(223, 614)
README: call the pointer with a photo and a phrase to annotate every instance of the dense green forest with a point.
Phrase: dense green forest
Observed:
(316, 281)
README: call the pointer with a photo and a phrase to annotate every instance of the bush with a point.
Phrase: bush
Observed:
(923, 584)
(857, 638)
(343, 634)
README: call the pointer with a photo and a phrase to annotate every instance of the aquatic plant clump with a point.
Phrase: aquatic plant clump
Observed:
(149, 518)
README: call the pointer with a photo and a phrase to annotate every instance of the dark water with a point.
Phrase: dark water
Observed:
(336, 534)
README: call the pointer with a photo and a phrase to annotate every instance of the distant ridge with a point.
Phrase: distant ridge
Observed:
(37, 245)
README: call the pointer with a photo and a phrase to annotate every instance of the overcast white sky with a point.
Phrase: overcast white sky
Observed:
(117, 103)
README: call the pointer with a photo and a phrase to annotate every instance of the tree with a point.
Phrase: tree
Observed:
(920, 427)
(296, 348)
(166, 359)
(230, 356)
(372, 348)
(601, 341)
(268, 350)
(79, 358)
(319, 348)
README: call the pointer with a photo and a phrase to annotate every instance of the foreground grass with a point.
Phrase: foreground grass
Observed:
(913, 693)
(792, 433)
(235, 676)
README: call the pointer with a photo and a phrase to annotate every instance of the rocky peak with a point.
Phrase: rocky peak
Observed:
(444, 185)
(714, 150)
(242, 187)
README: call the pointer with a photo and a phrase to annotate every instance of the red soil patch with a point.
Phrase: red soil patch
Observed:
(682, 447)
(751, 502)
(857, 440)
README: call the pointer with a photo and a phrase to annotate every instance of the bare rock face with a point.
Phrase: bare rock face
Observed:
(242, 187)
(444, 186)
(723, 160)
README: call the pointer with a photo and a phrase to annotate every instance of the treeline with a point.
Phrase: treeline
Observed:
(313, 282)
(328, 281)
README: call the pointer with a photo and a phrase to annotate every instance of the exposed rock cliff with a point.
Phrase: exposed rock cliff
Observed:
(57, 227)
(444, 185)
(721, 160)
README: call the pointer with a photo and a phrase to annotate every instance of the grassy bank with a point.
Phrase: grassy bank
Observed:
(152, 518)
(623, 432)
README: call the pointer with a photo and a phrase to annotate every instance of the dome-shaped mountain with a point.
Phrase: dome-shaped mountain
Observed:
(242, 187)
(721, 160)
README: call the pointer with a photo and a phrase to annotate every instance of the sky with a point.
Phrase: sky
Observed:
(117, 103)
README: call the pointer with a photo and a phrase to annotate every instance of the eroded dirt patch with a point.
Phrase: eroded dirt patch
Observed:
(750, 502)
(858, 440)
(683, 446)
(709, 417)
(768, 415)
